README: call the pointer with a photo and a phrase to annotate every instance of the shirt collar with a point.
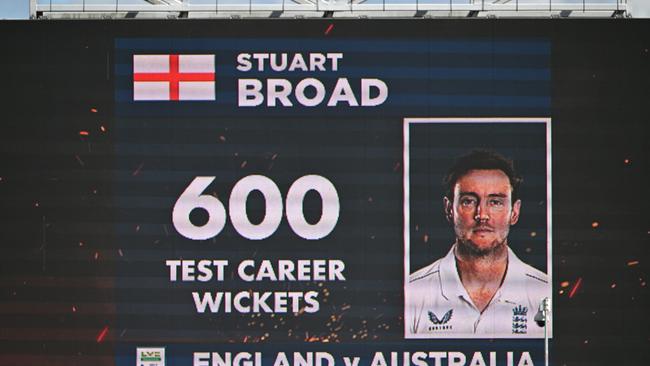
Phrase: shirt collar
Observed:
(511, 289)
(514, 284)
(450, 283)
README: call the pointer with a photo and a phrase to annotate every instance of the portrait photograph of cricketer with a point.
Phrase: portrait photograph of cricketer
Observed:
(480, 288)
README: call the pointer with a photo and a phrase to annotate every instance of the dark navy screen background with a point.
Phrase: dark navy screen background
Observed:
(359, 149)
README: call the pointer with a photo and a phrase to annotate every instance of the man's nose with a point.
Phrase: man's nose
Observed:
(481, 212)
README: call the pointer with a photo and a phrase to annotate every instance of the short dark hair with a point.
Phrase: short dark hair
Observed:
(481, 159)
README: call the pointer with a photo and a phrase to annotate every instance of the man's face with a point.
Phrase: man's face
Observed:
(482, 210)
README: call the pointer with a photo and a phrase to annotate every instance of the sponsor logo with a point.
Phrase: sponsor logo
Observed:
(150, 356)
(440, 323)
(519, 320)
(173, 77)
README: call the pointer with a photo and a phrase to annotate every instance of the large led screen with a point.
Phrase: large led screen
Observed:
(324, 193)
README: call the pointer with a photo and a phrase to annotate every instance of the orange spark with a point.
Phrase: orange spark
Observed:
(102, 334)
(575, 287)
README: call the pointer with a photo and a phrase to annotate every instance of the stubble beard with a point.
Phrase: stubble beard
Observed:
(468, 249)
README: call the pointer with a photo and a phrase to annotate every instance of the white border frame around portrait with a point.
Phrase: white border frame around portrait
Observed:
(406, 187)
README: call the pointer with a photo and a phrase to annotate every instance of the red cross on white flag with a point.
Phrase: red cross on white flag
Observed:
(173, 77)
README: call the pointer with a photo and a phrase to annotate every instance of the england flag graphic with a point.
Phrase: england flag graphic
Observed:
(173, 77)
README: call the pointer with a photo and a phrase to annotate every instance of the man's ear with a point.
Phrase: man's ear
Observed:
(448, 209)
(514, 216)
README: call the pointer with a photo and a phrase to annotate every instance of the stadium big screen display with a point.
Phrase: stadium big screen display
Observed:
(324, 193)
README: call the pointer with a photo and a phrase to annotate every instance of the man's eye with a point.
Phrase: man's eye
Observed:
(496, 202)
(467, 201)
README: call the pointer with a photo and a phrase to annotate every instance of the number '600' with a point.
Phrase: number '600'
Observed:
(193, 198)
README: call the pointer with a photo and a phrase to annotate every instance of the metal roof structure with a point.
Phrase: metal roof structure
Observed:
(198, 9)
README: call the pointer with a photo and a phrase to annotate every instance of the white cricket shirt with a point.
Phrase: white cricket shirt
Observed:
(437, 304)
